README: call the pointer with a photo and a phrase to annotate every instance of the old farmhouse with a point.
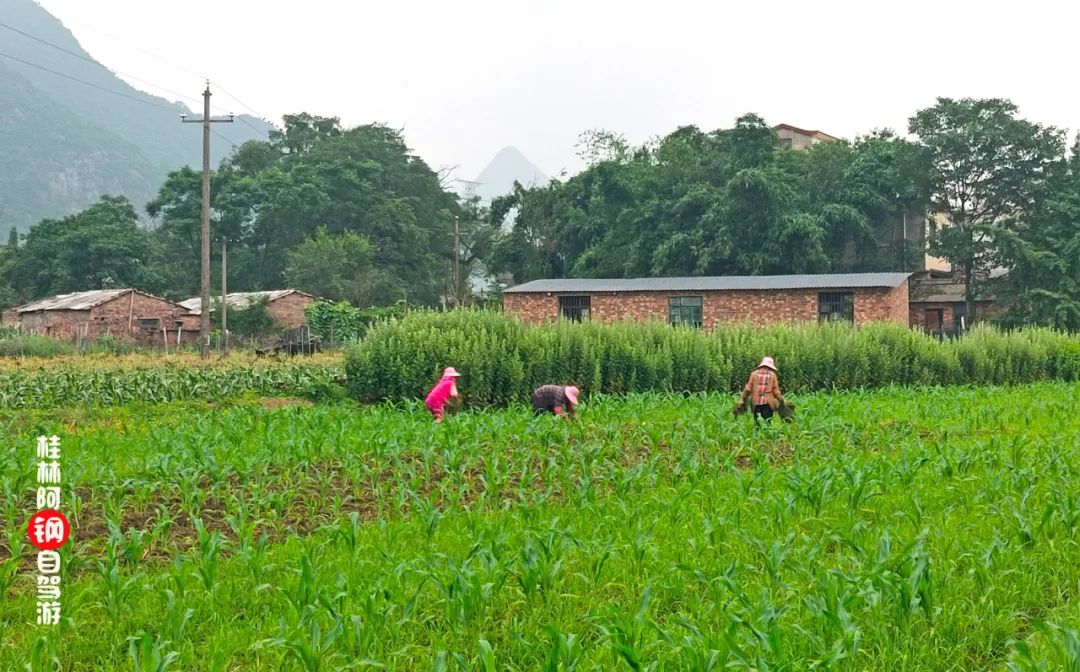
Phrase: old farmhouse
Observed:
(708, 301)
(126, 314)
(286, 306)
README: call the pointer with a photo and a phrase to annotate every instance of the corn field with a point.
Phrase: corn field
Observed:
(114, 381)
(502, 360)
(923, 528)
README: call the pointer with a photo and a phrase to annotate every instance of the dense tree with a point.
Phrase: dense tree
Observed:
(1043, 255)
(99, 248)
(335, 267)
(302, 131)
(269, 198)
(722, 202)
(989, 170)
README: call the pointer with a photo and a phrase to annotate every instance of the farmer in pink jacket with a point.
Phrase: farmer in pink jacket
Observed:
(440, 394)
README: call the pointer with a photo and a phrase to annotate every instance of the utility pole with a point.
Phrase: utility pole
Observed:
(204, 280)
(224, 305)
(457, 264)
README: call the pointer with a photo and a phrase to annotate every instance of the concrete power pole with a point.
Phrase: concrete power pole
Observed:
(224, 305)
(204, 280)
(457, 265)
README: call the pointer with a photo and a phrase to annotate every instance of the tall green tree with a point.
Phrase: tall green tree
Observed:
(337, 267)
(302, 131)
(99, 248)
(989, 169)
(1043, 255)
(269, 198)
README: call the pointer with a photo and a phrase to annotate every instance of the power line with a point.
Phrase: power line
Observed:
(181, 68)
(182, 96)
(231, 143)
(249, 109)
(129, 76)
(104, 89)
(83, 81)
(242, 103)
(163, 60)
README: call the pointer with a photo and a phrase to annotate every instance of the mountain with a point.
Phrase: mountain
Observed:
(507, 166)
(65, 142)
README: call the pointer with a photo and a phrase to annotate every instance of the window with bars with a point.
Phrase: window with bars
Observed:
(574, 308)
(150, 323)
(685, 310)
(836, 307)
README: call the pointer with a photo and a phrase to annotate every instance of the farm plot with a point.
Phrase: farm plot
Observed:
(115, 381)
(900, 529)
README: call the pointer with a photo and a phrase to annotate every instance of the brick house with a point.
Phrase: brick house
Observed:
(937, 303)
(709, 301)
(286, 306)
(126, 314)
(793, 137)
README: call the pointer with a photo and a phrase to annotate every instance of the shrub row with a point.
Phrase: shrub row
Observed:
(503, 360)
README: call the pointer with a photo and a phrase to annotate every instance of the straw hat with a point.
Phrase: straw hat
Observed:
(767, 362)
(571, 394)
(451, 371)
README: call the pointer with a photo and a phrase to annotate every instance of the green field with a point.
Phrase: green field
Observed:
(893, 530)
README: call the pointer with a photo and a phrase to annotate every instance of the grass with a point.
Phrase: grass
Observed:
(895, 530)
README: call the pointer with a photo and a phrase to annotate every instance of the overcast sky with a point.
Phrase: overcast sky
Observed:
(467, 78)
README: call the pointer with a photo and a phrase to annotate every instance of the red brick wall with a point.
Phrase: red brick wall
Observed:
(109, 318)
(757, 307)
(288, 311)
(918, 315)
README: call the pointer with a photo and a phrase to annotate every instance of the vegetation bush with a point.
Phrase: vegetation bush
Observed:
(253, 320)
(31, 345)
(503, 360)
(341, 322)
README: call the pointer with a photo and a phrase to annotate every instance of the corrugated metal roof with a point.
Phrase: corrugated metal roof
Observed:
(74, 301)
(713, 283)
(240, 300)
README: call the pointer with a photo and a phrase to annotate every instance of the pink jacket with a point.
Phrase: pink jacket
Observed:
(441, 393)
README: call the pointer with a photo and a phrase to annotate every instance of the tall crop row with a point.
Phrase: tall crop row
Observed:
(61, 386)
(503, 360)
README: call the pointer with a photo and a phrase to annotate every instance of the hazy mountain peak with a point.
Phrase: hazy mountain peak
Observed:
(508, 166)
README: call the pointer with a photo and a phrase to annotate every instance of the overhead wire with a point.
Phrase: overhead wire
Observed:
(118, 73)
(163, 60)
(104, 89)
(83, 81)
(182, 96)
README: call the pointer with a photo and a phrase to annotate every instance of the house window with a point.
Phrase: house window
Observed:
(685, 310)
(785, 143)
(574, 308)
(150, 323)
(836, 307)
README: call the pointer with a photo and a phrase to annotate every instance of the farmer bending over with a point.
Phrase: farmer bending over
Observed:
(441, 393)
(555, 399)
(763, 389)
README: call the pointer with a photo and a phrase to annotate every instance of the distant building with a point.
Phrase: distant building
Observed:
(935, 222)
(126, 314)
(938, 303)
(793, 137)
(286, 306)
(709, 301)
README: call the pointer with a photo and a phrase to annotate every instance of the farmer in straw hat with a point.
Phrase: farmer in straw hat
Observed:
(556, 399)
(763, 391)
(440, 394)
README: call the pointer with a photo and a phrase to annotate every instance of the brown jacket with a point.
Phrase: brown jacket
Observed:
(772, 394)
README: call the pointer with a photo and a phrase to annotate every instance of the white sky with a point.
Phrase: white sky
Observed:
(467, 78)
